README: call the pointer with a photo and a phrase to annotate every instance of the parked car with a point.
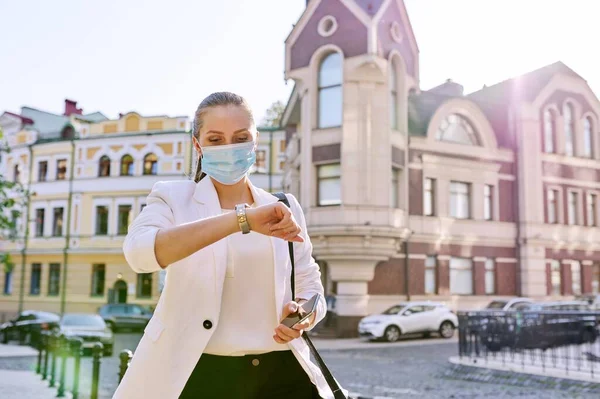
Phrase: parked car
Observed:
(125, 315)
(91, 328)
(27, 327)
(509, 304)
(592, 299)
(409, 318)
(541, 326)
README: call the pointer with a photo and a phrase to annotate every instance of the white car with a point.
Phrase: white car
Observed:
(409, 318)
(509, 304)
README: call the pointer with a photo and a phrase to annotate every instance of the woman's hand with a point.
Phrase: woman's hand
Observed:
(284, 334)
(274, 220)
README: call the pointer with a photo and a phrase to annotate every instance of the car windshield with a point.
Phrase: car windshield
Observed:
(83, 320)
(395, 309)
(496, 305)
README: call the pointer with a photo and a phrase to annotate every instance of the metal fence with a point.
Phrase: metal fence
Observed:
(557, 343)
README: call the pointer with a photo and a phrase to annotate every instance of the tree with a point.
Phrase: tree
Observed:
(13, 197)
(274, 114)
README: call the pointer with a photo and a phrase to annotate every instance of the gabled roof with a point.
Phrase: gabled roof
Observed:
(526, 86)
(93, 117)
(47, 124)
(23, 119)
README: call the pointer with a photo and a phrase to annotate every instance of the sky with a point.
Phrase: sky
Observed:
(161, 57)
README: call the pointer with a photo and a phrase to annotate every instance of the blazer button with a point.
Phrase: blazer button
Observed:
(207, 324)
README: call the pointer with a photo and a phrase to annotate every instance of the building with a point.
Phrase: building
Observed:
(88, 176)
(435, 194)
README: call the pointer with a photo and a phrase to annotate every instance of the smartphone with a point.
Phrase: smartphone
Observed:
(305, 311)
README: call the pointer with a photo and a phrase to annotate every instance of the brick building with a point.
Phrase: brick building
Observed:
(435, 194)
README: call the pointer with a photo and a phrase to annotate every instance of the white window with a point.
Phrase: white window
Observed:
(555, 278)
(329, 184)
(490, 276)
(576, 277)
(461, 276)
(596, 278)
(460, 207)
(395, 190)
(572, 207)
(330, 91)
(588, 138)
(457, 129)
(552, 206)
(591, 201)
(429, 197)
(393, 96)
(430, 280)
(487, 202)
(549, 131)
(569, 129)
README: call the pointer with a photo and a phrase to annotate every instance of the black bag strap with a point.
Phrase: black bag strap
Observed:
(333, 385)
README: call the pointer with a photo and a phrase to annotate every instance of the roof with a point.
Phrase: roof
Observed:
(93, 117)
(23, 118)
(49, 125)
(421, 108)
(525, 86)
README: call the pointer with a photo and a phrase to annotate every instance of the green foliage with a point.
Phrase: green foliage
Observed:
(274, 114)
(13, 198)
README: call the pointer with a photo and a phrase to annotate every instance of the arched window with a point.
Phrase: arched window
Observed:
(393, 95)
(104, 166)
(150, 164)
(588, 138)
(457, 129)
(549, 131)
(330, 91)
(127, 165)
(569, 130)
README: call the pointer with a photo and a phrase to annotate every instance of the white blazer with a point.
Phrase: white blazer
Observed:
(187, 312)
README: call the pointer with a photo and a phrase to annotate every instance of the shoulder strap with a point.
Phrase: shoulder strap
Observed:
(333, 385)
(283, 198)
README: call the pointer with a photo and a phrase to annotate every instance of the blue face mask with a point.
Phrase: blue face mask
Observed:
(228, 164)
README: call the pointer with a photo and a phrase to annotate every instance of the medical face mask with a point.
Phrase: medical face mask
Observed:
(228, 164)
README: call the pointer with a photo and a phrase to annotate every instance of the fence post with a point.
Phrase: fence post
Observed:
(76, 347)
(125, 357)
(97, 353)
(64, 351)
(54, 345)
(45, 338)
(40, 348)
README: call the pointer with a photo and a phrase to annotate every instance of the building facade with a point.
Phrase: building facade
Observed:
(435, 194)
(87, 177)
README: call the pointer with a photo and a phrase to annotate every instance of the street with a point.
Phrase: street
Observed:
(407, 369)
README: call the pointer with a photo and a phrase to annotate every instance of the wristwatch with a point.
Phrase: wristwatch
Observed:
(240, 212)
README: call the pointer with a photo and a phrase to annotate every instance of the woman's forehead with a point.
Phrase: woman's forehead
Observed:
(226, 119)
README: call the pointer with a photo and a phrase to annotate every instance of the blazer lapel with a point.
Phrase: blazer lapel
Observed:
(281, 265)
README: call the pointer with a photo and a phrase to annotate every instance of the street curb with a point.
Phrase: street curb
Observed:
(479, 374)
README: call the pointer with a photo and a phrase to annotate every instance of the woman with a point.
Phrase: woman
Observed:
(216, 330)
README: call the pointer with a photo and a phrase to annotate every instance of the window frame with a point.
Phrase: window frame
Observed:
(471, 271)
(322, 88)
(429, 192)
(62, 174)
(139, 285)
(127, 160)
(104, 159)
(488, 202)
(96, 220)
(469, 187)
(38, 271)
(153, 171)
(96, 266)
(52, 269)
(549, 128)
(569, 129)
(328, 178)
(430, 265)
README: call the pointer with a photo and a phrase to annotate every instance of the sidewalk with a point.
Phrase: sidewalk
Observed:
(358, 343)
(24, 385)
(17, 351)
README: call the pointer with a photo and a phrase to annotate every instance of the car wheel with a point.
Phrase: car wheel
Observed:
(447, 329)
(392, 334)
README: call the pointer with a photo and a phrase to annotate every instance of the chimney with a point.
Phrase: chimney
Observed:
(71, 108)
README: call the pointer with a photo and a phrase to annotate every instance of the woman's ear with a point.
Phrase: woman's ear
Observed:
(197, 145)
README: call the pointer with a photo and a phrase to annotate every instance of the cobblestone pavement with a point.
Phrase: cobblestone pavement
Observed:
(407, 370)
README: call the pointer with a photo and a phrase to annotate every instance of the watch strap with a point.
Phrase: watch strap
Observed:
(240, 213)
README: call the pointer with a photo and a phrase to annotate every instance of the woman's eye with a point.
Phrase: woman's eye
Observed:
(214, 139)
(242, 138)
